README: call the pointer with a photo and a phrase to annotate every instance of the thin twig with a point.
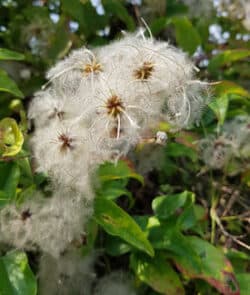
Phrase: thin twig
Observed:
(227, 234)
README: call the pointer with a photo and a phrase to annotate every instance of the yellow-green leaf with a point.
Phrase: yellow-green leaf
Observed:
(229, 87)
(227, 57)
(11, 138)
(220, 107)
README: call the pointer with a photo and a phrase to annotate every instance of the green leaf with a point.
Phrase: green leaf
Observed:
(220, 107)
(22, 280)
(165, 206)
(113, 193)
(226, 58)
(215, 268)
(167, 237)
(244, 282)
(9, 177)
(186, 34)
(6, 54)
(91, 232)
(114, 246)
(117, 9)
(60, 43)
(23, 162)
(190, 217)
(229, 87)
(239, 260)
(8, 85)
(114, 189)
(175, 8)
(11, 138)
(117, 222)
(85, 14)
(5, 285)
(121, 170)
(158, 24)
(157, 273)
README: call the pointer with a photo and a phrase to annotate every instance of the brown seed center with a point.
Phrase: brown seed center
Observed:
(66, 142)
(145, 71)
(93, 67)
(114, 106)
(26, 214)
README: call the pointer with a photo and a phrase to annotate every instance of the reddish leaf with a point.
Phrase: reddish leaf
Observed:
(215, 268)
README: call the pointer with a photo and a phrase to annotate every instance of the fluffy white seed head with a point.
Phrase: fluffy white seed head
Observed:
(62, 151)
(82, 67)
(47, 224)
(97, 106)
(16, 224)
(53, 105)
(229, 147)
(116, 283)
(71, 273)
(112, 96)
(216, 152)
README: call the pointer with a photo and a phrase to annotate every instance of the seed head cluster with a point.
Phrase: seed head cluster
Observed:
(97, 105)
(229, 150)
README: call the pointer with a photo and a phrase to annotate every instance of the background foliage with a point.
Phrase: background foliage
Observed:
(180, 228)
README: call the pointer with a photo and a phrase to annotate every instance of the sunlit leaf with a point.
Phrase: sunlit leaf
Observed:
(22, 280)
